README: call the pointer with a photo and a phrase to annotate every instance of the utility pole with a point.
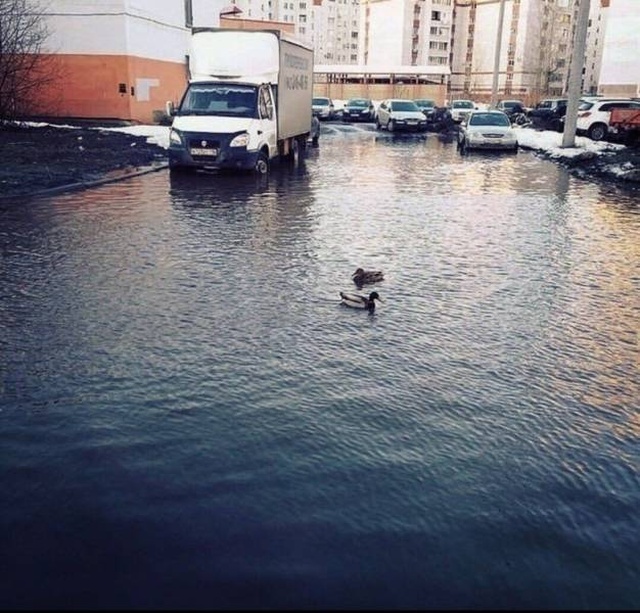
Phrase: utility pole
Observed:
(496, 62)
(575, 76)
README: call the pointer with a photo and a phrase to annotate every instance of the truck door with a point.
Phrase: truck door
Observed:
(266, 109)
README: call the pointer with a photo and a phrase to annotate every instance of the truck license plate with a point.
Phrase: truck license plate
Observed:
(199, 151)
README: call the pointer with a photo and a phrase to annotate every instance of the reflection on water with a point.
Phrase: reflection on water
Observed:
(191, 419)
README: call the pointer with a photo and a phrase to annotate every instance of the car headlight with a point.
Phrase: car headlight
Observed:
(242, 140)
(175, 137)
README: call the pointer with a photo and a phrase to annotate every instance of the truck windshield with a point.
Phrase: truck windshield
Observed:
(220, 99)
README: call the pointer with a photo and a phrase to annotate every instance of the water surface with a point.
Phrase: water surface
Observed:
(191, 419)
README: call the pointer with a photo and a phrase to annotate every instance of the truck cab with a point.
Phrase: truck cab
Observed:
(222, 125)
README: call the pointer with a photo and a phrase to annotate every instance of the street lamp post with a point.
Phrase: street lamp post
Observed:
(575, 76)
(496, 63)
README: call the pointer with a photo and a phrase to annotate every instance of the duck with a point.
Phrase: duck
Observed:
(360, 302)
(361, 276)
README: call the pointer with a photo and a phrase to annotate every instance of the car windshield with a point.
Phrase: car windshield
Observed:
(489, 119)
(430, 103)
(404, 105)
(462, 104)
(511, 103)
(360, 103)
(219, 99)
(321, 101)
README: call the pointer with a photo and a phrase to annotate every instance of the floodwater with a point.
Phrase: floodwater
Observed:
(191, 419)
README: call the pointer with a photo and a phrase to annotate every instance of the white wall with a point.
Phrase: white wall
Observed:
(621, 53)
(152, 29)
(75, 27)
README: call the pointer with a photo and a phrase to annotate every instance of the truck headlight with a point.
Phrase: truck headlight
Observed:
(175, 137)
(242, 140)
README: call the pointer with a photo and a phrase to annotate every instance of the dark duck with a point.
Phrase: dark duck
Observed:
(363, 277)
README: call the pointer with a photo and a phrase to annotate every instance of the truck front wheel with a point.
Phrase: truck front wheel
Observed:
(262, 164)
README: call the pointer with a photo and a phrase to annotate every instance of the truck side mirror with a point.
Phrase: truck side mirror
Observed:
(170, 109)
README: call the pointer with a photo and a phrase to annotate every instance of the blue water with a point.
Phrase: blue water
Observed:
(191, 419)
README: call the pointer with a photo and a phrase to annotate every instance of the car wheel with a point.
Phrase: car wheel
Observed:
(391, 126)
(462, 147)
(314, 141)
(597, 131)
(262, 164)
(378, 126)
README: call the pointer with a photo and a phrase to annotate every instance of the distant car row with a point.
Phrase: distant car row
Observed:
(363, 109)
(593, 117)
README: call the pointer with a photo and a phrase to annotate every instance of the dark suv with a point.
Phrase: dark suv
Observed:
(548, 113)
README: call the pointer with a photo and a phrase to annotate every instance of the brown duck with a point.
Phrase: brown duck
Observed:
(362, 277)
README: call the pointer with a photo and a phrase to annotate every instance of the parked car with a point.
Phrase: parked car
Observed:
(549, 112)
(323, 108)
(359, 109)
(594, 115)
(487, 130)
(399, 114)
(441, 120)
(427, 106)
(461, 108)
(511, 107)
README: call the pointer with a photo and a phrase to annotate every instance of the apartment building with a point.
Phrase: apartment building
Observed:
(405, 32)
(620, 69)
(124, 58)
(525, 36)
(596, 29)
(336, 31)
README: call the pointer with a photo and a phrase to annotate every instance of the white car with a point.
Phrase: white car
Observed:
(594, 114)
(399, 114)
(487, 130)
(461, 108)
(323, 108)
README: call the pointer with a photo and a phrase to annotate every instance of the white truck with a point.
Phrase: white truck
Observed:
(248, 101)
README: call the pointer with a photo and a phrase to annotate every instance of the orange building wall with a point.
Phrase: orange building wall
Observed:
(88, 86)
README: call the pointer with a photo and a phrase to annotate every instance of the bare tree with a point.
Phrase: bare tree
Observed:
(24, 69)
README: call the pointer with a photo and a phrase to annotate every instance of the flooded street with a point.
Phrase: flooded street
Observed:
(191, 419)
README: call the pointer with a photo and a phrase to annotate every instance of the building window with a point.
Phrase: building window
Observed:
(188, 13)
(435, 16)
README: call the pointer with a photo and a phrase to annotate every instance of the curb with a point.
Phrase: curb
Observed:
(69, 187)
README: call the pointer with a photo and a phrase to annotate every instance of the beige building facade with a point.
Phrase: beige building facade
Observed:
(529, 55)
